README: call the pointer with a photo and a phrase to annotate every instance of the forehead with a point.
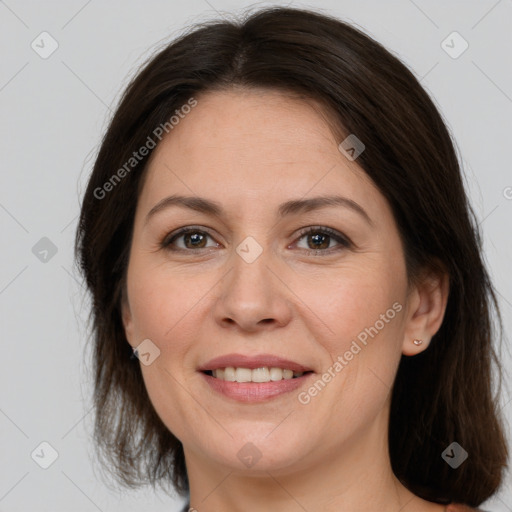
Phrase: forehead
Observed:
(249, 144)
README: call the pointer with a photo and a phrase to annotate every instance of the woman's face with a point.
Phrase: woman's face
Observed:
(247, 281)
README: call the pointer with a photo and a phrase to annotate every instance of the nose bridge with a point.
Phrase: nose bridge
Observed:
(250, 277)
(252, 295)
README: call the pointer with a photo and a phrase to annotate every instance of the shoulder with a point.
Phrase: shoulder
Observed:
(456, 507)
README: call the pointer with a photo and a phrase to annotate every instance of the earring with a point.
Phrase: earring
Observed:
(417, 342)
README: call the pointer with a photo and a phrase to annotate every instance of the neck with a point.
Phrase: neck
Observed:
(353, 477)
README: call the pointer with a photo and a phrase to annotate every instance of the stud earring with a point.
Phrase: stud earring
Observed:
(418, 342)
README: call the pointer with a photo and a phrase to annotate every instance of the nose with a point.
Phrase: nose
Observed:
(252, 296)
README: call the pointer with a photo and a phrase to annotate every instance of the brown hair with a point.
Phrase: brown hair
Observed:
(445, 394)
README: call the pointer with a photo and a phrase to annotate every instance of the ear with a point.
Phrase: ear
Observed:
(127, 321)
(425, 312)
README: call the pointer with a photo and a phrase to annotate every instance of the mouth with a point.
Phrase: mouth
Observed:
(254, 378)
(258, 375)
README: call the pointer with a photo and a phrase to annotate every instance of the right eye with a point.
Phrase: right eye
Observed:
(192, 238)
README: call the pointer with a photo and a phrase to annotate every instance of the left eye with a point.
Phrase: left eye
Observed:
(319, 239)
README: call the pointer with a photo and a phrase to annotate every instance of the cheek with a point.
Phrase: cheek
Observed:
(161, 300)
(354, 302)
(163, 309)
(360, 327)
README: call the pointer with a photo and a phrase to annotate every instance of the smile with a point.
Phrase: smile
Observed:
(250, 391)
(264, 374)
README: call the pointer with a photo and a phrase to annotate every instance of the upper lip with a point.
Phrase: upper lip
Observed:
(257, 361)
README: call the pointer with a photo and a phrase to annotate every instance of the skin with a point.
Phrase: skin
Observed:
(251, 150)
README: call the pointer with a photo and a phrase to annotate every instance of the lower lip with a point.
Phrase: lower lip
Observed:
(254, 391)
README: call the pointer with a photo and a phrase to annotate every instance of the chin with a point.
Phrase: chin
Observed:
(268, 452)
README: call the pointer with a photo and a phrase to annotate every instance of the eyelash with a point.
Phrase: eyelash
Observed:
(342, 240)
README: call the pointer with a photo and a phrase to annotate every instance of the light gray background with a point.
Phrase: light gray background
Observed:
(53, 114)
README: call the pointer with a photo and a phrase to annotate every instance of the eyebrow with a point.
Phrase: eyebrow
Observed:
(292, 207)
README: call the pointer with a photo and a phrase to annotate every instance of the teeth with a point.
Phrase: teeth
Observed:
(276, 374)
(243, 375)
(260, 375)
(229, 374)
(263, 374)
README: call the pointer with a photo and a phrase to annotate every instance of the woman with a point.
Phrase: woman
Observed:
(277, 233)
